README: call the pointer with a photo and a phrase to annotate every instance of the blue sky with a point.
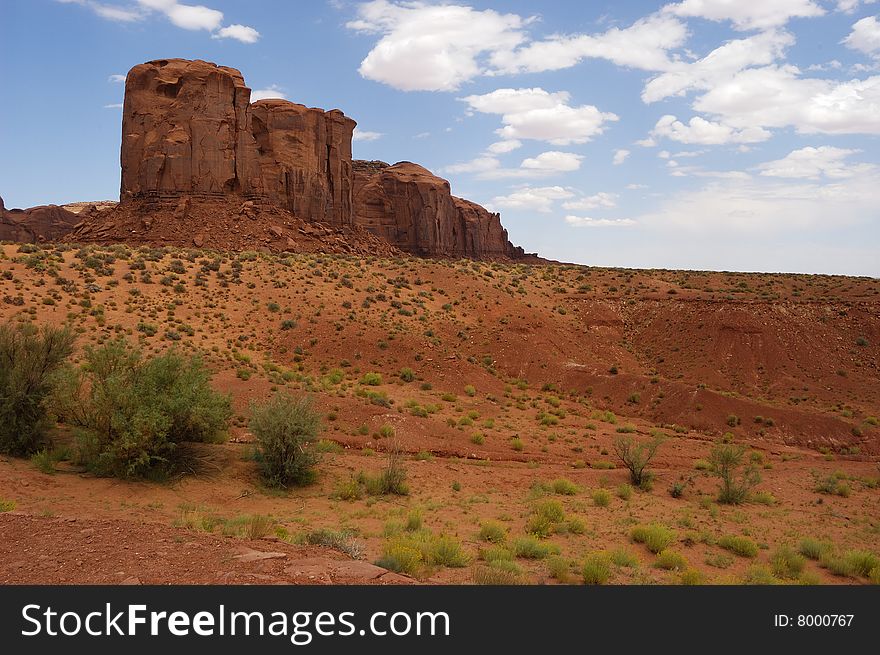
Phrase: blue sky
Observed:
(710, 134)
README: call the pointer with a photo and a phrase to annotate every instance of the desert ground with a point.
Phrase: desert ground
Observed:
(505, 386)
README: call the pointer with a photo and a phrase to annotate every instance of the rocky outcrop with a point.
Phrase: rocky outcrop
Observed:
(186, 129)
(190, 135)
(43, 223)
(414, 209)
(305, 159)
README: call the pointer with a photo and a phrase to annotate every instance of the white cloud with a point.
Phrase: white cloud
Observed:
(426, 47)
(644, 45)
(703, 132)
(620, 156)
(115, 105)
(478, 165)
(775, 96)
(116, 79)
(849, 6)
(540, 199)
(541, 115)
(365, 135)
(502, 147)
(108, 12)
(188, 17)
(600, 200)
(271, 91)
(747, 14)
(586, 221)
(865, 36)
(553, 162)
(547, 164)
(720, 64)
(241, 33)
(815, 163)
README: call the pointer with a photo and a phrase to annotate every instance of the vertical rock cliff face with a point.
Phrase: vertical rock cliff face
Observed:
(414, 209)
(305, 159)
(186, 129)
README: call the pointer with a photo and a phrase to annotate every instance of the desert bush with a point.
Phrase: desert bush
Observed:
(532, 548)
(401, 557)
(596, 568)
(742, 546)
(655, 536)
(391, 480)
(624, 491)
(493, 532)
(563, 487)
(758, 574)
(132, 414)
(29, 358)
(852, 563)
(726, 460)
(495, 553)
(286, 429)
(342, 540)
(636, 455)
(787, 563)
(670, 560)
(348, 489)
(498, 573)
(559, 569)
(814, 549)
(601, 497)
(624, 557)
(691, 577)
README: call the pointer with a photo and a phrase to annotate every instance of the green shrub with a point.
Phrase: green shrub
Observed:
(286, 429)
(725, 460)
(757, 574)
(624, 491)
(691, 577)
(342, 540)
(559, 569)
(655, 536)
(401, 557)
(601, 497)
(349, 489)
(495, 554)
(624, 557)
(531, 548)
(814, 549)
(597, 568)
(564, 487)
(6, 505)
(29, 358)
(391, 480)
(670, 560)
(470, 390)
(132, 414)
(498, 573)
(372, 379)
(787, 563)
(636, 456)
(446, 551)
(493, 532)
(407, 374)
(742, 546)
(852, 563)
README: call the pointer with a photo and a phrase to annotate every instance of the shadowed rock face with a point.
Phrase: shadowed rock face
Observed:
(44, 223)
(305, 159)
(414, 209)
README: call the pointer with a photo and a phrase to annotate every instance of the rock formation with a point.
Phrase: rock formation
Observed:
(414, 209)
(186, 129)
(43, 223)
(305, 159)
(190, 135)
